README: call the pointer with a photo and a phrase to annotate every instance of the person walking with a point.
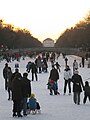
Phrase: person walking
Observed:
(39, 64)
(83, 62)
(16, 71)
(26, 89)
(45, 64)
(67, 78)
(66, 60)
(5, 74)
(9, 83)
(17, 95)
(16, 65)
(34, 71)
(75, 66)
(28, 66)
(54, 75)
(77, 87)
(86, 92)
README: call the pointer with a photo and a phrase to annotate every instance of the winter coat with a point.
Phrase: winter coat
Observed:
(17, 93)
(26, 87)
(77, 83)
(33, 68)
(45, 62)
(5, 72)
(28, 66)
(38, 62)
(54, 75)
(52, 84)
(87, 90)
(13, 75)
(32, 104)
(75, 66)
(67, 74)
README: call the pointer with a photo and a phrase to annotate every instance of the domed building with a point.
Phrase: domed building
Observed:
(48, 42)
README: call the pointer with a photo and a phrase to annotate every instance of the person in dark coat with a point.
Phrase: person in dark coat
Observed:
(16, 71)
(26, 87)
(9, 83)
(83, 62)
(17, 95)
(45, 63)
(28, 66)
(38, 62)
(54, 75)
(77, 87)
(86, 92)
(16, 65)
(5, 74)
(34, 71)
(52, 86)
(66, 60)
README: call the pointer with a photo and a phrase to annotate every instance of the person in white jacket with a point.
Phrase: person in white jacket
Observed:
(67, 78)
(75, 66)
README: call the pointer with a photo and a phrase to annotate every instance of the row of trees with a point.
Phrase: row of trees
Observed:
(12, 37)
(76, 37)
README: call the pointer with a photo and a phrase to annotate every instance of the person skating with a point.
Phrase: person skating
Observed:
(5, 74)
(75, 66)
(26, 90)
(17, 95)
(77, 87)
(86, 92)
(34, 71)
(9, 83)
(67, 79)
(54, 75)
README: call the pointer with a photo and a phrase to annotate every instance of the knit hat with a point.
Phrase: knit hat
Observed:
(25, 74)
(32, 95)
(6, 64)
(87, 83)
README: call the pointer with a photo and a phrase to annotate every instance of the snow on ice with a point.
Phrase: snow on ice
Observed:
(55, 107)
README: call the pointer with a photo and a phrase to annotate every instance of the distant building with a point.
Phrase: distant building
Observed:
(48, 42)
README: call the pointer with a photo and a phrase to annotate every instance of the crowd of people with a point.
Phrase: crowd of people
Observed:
(19, 87)
(19, 90)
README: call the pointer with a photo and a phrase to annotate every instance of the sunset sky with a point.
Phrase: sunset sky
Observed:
(44, 18)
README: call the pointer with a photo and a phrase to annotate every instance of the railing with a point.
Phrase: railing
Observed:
(46, 49)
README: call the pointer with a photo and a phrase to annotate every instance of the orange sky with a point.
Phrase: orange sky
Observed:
(44, 18)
